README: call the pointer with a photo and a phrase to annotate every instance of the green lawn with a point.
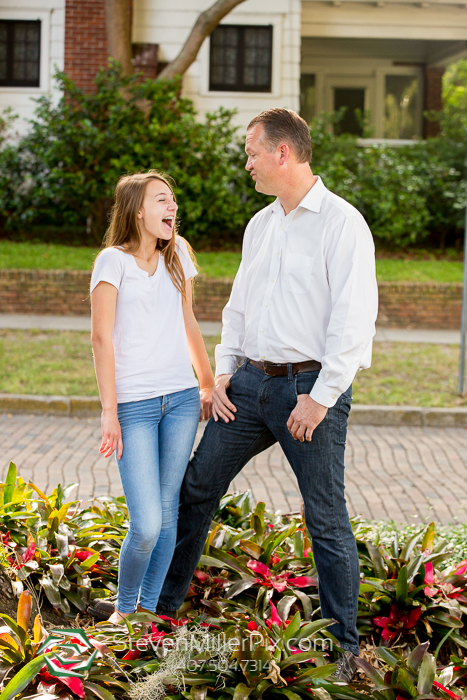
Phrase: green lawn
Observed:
(60, 362)
(57, 257)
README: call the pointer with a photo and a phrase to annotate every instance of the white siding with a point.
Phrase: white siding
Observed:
(52, 16)
(385, 20)
(169, 28)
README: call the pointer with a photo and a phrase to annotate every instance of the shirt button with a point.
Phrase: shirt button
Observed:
(262, 331)
(266, 305)
(272, 280)
(263, 357)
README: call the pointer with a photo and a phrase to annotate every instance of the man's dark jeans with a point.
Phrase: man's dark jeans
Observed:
(263, 407)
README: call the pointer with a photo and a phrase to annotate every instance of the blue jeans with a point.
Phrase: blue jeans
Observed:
(158, 436)
(263, 407)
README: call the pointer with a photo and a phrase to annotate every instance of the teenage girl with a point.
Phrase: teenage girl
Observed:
(145, 340)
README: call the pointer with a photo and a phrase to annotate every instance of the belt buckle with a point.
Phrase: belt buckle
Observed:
(265, 367)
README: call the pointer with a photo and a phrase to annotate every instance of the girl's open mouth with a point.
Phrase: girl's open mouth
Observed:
(168, 222)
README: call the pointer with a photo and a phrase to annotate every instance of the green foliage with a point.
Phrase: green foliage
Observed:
(453, 118)
(55, 548)
(56, 183)
(407, 194)
(251, 625)
(64, 171)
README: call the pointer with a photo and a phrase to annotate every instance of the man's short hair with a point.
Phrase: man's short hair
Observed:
(285, 126)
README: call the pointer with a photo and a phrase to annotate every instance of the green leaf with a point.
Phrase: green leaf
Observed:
(388, 656)
(21, 680)
(373, 674)
(239, 587)
(426, 674)
(293, 627)
(298, 543)
(273, 541)
(428, 538)
(313, 627)
(242, 535)
(402, 587)
(10, 482)
(306, 603)
(51, 591)
(377, 560)
(284, 605)
(318, 672)
(415, 657)
(409, 546)
(404, 682)
(438, 648)
(98, 691)
(242, 691)
(222, 559)
(251, 548)
(288, 694)
(76, 599)
(300, 658)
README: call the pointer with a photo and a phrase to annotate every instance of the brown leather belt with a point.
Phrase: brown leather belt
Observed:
(281, 370)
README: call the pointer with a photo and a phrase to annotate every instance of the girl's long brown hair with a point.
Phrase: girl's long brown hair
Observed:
(123, 228)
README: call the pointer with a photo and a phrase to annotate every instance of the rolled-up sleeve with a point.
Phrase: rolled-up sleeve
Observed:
(350, 262)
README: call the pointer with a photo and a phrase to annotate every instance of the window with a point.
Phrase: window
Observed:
(307, 97)
(19, 53)
(353, 100)
(241, 58)
(402, 107)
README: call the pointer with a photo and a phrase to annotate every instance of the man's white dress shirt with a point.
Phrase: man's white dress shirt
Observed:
(305, 290)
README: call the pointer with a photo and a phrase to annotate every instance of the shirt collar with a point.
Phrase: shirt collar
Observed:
(312, 200)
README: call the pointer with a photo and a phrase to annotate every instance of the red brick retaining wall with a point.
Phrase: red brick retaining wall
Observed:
(65, 293)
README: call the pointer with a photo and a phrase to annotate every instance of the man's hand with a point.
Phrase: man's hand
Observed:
(305, 417)
(221, 406)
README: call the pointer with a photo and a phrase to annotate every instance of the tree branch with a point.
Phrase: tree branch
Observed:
(205, 24)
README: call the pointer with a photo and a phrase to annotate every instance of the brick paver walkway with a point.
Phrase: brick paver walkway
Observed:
(405, 474)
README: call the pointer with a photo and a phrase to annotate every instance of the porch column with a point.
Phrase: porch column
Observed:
(433, 99)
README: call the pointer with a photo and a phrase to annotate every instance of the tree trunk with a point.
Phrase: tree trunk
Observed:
(205, 24)
(118, 25)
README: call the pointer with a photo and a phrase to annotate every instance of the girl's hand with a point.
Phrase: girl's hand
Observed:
(206, 404)
(111, 434)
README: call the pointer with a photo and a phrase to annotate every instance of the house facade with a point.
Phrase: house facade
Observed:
(380, 58)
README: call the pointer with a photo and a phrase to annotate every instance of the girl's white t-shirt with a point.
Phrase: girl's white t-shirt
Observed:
(149, 337)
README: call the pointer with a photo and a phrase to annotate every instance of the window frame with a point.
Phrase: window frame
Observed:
(10, 81)
(239, 86)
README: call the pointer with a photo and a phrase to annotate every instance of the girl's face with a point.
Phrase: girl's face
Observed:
(157, 214)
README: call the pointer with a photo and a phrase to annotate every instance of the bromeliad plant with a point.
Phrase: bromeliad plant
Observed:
(414, 675)
(56, 549)
(404, 596)
(255, 587)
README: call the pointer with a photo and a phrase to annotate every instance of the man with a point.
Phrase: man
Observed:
(298, 326)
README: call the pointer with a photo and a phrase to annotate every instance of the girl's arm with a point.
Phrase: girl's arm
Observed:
(103, 304)
(198, 355)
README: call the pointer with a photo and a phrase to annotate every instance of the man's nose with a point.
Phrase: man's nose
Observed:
(248, 165)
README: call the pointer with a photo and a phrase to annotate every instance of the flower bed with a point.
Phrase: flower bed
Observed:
(250, 626)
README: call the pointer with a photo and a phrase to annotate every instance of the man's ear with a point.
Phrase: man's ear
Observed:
(284, 153)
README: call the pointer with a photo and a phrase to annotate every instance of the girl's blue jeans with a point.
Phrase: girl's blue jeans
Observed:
(158, 436)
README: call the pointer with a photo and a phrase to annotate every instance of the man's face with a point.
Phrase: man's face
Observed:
(262, 165)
